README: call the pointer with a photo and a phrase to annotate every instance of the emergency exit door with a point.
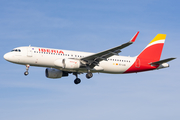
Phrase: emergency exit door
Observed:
(137, 64)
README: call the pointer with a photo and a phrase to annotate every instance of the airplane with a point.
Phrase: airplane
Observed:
(60, 63)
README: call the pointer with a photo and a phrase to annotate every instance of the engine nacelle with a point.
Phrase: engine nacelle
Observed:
(67, 63)
(70, 63)
(55, 73)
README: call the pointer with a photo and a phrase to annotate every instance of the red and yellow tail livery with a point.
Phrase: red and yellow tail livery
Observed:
(151, 54)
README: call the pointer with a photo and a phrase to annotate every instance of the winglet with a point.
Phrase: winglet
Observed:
(134, 37)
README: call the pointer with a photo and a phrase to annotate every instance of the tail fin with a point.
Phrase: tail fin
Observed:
(153, 50)
(149, 58)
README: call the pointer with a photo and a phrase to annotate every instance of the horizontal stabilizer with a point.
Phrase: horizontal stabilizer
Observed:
(162, 61)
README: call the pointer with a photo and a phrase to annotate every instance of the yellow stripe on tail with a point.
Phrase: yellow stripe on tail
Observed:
(158, 37)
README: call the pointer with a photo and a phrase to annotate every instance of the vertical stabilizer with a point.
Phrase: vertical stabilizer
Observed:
(151, 53)
(153, 50)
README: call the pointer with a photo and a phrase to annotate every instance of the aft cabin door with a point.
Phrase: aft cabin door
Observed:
(29, 51)
(137, 64)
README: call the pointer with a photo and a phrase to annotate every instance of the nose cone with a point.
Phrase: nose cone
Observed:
(10, 57)
(7, 56)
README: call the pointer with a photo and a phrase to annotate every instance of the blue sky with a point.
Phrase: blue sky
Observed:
(92, 26)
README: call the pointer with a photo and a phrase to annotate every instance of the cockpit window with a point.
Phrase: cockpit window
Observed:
(16, 50)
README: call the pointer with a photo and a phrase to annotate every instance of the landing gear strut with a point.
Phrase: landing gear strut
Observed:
(77, 80)
(27, 68)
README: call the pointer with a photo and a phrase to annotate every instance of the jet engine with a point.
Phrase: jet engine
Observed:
(67, 63)
(55, 73)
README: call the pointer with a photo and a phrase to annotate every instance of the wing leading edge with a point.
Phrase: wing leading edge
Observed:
(94, 59)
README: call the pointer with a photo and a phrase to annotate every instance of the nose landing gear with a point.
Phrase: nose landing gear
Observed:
(27, 68)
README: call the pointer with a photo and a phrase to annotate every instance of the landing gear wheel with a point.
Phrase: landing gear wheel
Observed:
(27, 68)
(26, 73)
(89, 75)
(77, 81)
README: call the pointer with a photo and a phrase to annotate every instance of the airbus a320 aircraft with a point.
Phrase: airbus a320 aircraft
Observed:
(61, 63)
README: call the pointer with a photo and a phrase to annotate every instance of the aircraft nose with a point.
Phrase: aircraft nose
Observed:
(6, 56)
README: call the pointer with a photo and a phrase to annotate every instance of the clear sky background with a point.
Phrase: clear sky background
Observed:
(92, 26)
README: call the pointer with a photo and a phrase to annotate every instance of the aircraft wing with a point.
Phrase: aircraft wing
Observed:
(94, 59)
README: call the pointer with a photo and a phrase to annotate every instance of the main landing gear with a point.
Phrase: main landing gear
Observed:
(89, 75)
(27, 68)
(77, 80)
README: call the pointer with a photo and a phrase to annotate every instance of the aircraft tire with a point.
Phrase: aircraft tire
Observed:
(77, 81)
(26, 73)
(89, 75)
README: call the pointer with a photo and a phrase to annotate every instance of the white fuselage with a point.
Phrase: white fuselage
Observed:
(45, 57)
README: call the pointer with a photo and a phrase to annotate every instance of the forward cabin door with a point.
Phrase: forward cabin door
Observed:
(29, 51)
